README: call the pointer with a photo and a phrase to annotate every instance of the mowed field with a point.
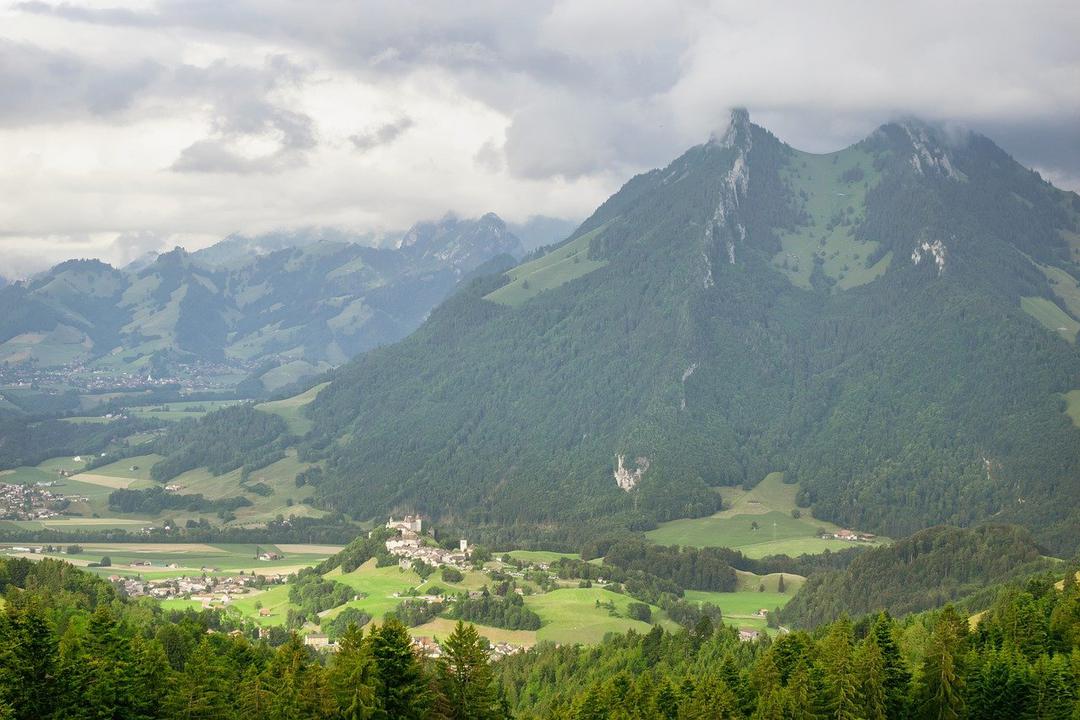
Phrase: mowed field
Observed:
(189, 558)
(757, 522)
(95, 485)
(291, 409)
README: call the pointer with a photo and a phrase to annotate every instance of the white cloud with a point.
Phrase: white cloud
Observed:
(179, 119)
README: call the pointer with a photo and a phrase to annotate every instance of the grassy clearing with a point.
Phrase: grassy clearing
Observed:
(757, 522)
(834, 204)
(132, 468)
(538, 556)
(379, 584)
(570, 615)
(1064, 286)
(441, 627)
(190, 558)
(176, 411)
(1072, 406)
(291, 409)
(1051, 317)
(558, 267)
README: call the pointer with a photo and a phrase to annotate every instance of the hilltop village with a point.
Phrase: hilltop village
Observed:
(409, 547)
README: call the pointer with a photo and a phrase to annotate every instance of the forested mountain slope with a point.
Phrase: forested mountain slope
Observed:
(921, 572)
(888, 324)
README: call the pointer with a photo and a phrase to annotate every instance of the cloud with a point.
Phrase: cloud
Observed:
(38, 85)
(383, 135)
(201, 118)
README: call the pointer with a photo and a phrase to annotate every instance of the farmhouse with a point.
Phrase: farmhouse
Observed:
(317, 640)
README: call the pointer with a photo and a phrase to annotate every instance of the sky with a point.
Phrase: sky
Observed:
(135, 126)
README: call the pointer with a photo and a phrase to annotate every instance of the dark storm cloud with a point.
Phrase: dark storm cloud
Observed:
(383, 135)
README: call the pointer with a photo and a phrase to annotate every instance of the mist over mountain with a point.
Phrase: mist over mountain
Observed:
(278, 307)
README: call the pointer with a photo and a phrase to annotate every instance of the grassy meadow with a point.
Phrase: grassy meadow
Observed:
(558, 267)
(757, 522)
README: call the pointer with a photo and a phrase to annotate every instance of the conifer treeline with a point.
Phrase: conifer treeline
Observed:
(1022, 660)
(71, 647)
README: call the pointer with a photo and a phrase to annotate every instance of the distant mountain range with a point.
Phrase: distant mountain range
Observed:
(278, 307)
(893, 325)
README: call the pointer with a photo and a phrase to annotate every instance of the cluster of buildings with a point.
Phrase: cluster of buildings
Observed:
(33, 502)
(196, 376)
(205, 589)
(430, 648)
(848, 535)
(408, 546)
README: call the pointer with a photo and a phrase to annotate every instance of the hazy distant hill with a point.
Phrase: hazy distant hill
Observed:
(298, 302)
(892, 325)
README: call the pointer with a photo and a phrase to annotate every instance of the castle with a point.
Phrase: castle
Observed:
(411, 523)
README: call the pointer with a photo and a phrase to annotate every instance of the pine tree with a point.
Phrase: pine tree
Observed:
(255, 694)
(780, 584)
(401, 691)
(1053, 689)
(299, 689)
(841, 682)
(942, 692)
(200, 692)
(592, 706)
(29, 660)
(871, 668)
(353, 675)
(897, 675)
(465, 676)
(151, 678)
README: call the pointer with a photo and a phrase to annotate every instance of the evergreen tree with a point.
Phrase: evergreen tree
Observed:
(353, 676)
(200, 692)
(897, 676)
(841, 681)
(151, 678)
(28, 661)
(870, 663)
(256, 695)
(401, 691)
(299, 688)
(942, 692)
(465, 676)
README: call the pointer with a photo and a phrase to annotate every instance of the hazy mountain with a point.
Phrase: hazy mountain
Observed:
(892, 325)
(541, 230)
(287, 304)
(241, 249)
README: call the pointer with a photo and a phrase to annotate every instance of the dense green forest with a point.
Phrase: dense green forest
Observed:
(72, 647)
(233, 437)
(918, 395)
(924, 571)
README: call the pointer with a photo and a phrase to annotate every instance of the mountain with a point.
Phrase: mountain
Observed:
(892, 325)
(277, 307)
(540, 231)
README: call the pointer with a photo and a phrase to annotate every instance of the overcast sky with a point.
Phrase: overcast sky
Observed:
(133, 126)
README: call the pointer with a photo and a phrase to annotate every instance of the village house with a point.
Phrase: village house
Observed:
(317, 640)
(748, 635)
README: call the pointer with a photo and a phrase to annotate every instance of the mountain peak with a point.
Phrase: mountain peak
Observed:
(737, 131)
